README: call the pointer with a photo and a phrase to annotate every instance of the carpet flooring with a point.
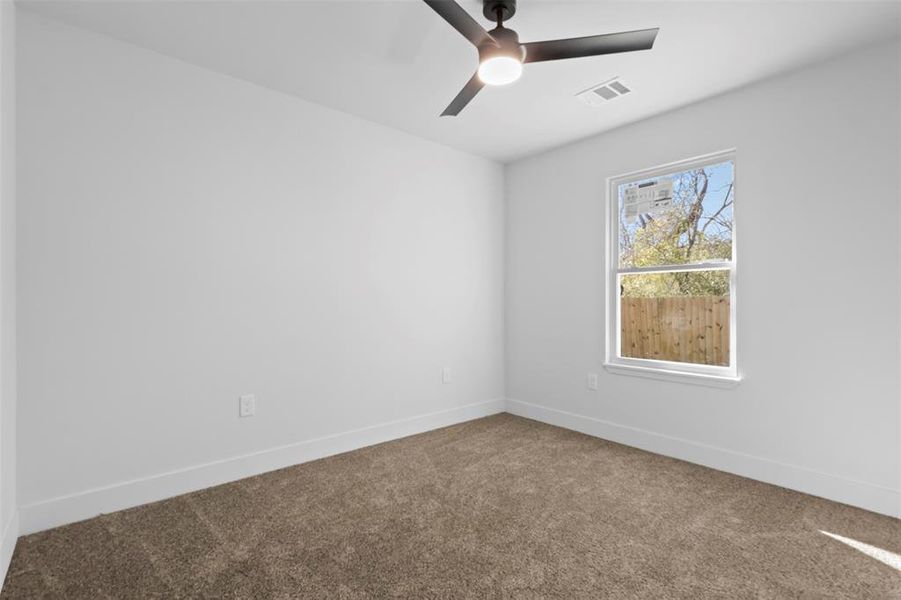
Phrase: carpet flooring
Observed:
(501, 507)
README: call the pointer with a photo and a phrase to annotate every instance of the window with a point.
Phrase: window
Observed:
(671, 271)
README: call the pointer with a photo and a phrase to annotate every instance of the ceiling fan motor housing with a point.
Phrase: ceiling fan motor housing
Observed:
(507, 45)
(490, 8)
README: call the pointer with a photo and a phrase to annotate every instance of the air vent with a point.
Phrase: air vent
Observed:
(604, 92)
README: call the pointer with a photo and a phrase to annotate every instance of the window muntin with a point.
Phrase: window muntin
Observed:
(671, 273)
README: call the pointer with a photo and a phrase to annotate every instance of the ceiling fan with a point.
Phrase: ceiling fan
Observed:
(501, 55)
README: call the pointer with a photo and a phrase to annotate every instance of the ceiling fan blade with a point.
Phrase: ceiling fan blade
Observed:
(468, 92)
(592, 45)
(460, 20)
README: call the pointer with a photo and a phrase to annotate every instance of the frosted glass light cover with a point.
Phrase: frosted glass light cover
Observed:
(500, 70)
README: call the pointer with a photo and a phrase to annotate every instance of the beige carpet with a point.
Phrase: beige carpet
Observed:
(502, 507)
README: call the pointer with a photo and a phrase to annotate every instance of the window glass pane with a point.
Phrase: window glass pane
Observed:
(675, 316)
(681, 218)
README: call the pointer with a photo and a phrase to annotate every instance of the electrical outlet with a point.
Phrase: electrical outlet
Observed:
(593, 381)
(247, 406)
(446, 375)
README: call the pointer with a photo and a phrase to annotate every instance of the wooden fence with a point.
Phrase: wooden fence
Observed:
(682, 329)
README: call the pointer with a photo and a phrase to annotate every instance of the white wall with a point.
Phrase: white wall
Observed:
(185, 237)
(8, 512)
(817, 212)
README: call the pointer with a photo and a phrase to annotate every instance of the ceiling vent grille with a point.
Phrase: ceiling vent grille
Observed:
(604, 92)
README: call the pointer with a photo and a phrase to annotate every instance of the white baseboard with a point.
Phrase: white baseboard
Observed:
(8, 544)
(90, 503)
(869, 496)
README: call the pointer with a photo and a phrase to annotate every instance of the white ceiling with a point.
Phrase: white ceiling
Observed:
(398, 63)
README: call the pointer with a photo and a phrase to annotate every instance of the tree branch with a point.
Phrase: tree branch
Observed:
(694, 214)
(726, 203)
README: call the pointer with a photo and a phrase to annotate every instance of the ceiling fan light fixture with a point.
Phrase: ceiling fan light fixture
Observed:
(500, 70)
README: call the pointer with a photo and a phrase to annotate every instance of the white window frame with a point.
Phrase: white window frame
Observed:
(719, 376)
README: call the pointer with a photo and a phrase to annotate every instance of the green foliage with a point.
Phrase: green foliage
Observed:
(670, 285)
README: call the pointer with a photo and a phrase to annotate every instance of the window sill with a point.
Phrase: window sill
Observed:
(718, 381)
